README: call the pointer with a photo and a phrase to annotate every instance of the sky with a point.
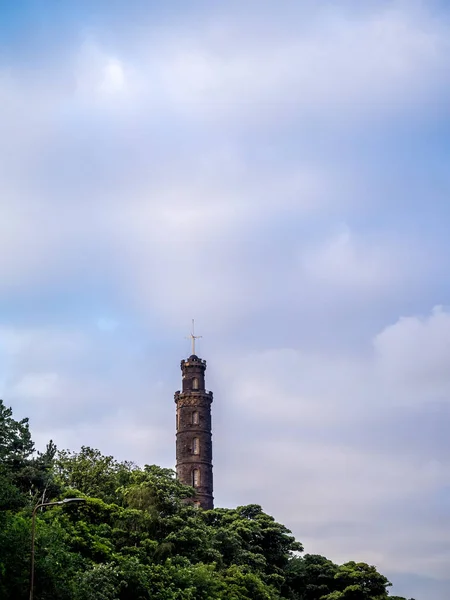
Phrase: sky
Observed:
(278, 171)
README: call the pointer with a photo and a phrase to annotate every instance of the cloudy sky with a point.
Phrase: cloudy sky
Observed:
(278, 171)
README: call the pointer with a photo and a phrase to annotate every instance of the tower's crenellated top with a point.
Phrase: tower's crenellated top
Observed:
(193, 374)
(193, 360)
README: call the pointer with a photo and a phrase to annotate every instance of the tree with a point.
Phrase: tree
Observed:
(23, 476)
(101, 582)
(16, 445)
(310, 577)
(16, 448)
(359, 581)
(92, 473)
(14, 556)
(248, 536)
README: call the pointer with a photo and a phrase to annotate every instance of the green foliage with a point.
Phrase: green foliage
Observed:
(310, 577)
(24, 476)
(358, 581)
(14, 556)
(92, 473)
(135, 537)
(16, 448)
(16, 445)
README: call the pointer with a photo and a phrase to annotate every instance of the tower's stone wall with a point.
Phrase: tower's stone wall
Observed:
(194, 432)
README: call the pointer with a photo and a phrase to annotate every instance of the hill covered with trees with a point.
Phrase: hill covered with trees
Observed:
(133, 537)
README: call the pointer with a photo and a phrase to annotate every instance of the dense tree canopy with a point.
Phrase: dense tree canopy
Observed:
(134, 537)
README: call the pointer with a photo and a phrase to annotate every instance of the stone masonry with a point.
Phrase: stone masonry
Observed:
(194, 434)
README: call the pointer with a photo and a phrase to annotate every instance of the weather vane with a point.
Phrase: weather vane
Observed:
(193, 337)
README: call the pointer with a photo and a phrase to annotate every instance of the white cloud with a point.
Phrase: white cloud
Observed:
(113, 77)
(206, 206)
(388, 58)
(102, 78)
(40, 386)
(340, 496)
(406, 364)
(79, 388)
(415, 354)
(36, 344)
(122, 434)
(357, 264)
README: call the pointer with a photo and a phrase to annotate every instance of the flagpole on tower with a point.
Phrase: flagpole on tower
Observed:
(193, 337)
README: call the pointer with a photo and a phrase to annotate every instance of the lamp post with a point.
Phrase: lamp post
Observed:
(33, 528)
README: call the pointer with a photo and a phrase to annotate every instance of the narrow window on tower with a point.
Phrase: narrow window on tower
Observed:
(195, 383)
(195, 418)
(177, 420)
(196, 478)
(196, 446)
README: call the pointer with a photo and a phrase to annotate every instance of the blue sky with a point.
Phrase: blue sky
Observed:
(279, 171)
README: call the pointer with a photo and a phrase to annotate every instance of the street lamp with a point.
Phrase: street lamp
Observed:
(33, 527)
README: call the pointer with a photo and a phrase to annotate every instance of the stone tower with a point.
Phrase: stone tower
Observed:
(194, 437)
